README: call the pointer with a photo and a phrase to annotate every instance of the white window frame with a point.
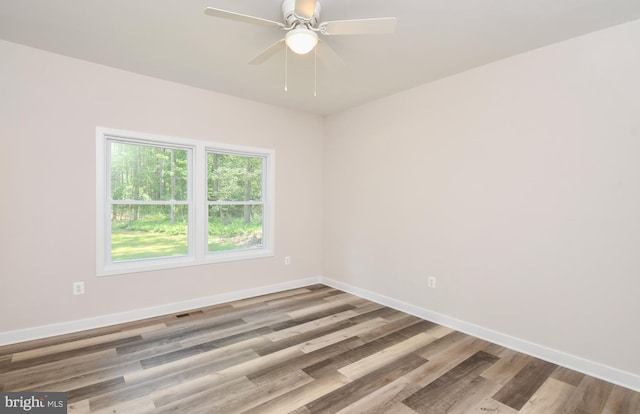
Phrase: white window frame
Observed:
(198, 223)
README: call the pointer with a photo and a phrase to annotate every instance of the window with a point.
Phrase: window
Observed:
(235, 201)
(150, 203)
(168, 202)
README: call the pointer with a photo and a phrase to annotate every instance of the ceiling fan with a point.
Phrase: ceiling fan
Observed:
(301, 24)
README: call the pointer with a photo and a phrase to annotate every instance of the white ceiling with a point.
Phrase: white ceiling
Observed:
(175, 40)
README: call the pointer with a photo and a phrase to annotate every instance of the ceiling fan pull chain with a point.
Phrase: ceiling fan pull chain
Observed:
(315, 71)
(286, 65)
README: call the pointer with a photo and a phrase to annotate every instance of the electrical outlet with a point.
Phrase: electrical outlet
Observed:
(78, 288)
(431, 282)
(287, 260)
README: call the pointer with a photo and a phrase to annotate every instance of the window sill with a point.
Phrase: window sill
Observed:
(178, 262)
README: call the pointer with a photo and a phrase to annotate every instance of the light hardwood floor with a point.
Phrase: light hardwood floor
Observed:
(308, 350)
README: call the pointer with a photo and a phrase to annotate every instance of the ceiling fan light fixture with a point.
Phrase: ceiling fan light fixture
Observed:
(301, 40)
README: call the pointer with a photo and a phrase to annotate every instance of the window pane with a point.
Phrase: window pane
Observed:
(234, 177)
(148, 231)
(143, 172)
(235, 227)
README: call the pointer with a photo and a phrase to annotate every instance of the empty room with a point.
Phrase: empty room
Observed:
(320, 206)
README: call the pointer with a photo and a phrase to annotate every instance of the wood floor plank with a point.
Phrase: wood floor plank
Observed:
(305, 299)
(298, 398)
(421, 326)
(471, 400)
(179, 365)
(92, 390)
(309, 350)
(590, 397)
(304, 361)
(510, 363)
(313, 335)
(75, 336)
(444, 393)
(5, 360)
(397, 408)
(109, 339)
(567, 375)
(342, 334)
(79, 407)
(200, 384)
(525, 383)
(191, 329)
(291, 322)
(490, 406)
(310, 326)
(275, 300)
(235, 334)
(56, 369)
(263, 393)
(380, 400)
(440, 331)
(63, 383)
(270, 297)
(549, 398)
(142, 405)
(173, 382)
(622, 401)
(387, 356)
(211, 399)
(375, 310)
(446, 343)
(408, 325)
(342, 300)
(64, 356)
(364, 385)
(445, 360)
(225, 337)
(356, 353)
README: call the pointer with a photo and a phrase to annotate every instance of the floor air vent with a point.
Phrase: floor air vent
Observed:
(186, 314)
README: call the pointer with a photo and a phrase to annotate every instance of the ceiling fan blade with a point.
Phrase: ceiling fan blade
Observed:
(305, 8)
(225, 14)
(268, 52)
(361, 26)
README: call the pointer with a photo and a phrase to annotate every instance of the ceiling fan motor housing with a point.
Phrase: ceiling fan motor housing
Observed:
(291, 19)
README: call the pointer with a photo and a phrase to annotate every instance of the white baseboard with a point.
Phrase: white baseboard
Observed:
(39, 332)
(594, 369)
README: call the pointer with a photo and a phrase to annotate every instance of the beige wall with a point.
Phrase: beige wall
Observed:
(49, 108)
(516, 184)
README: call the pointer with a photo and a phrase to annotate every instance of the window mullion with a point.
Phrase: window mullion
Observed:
(199, 229)
(235, 203)
(104, 168)
(150, 202)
